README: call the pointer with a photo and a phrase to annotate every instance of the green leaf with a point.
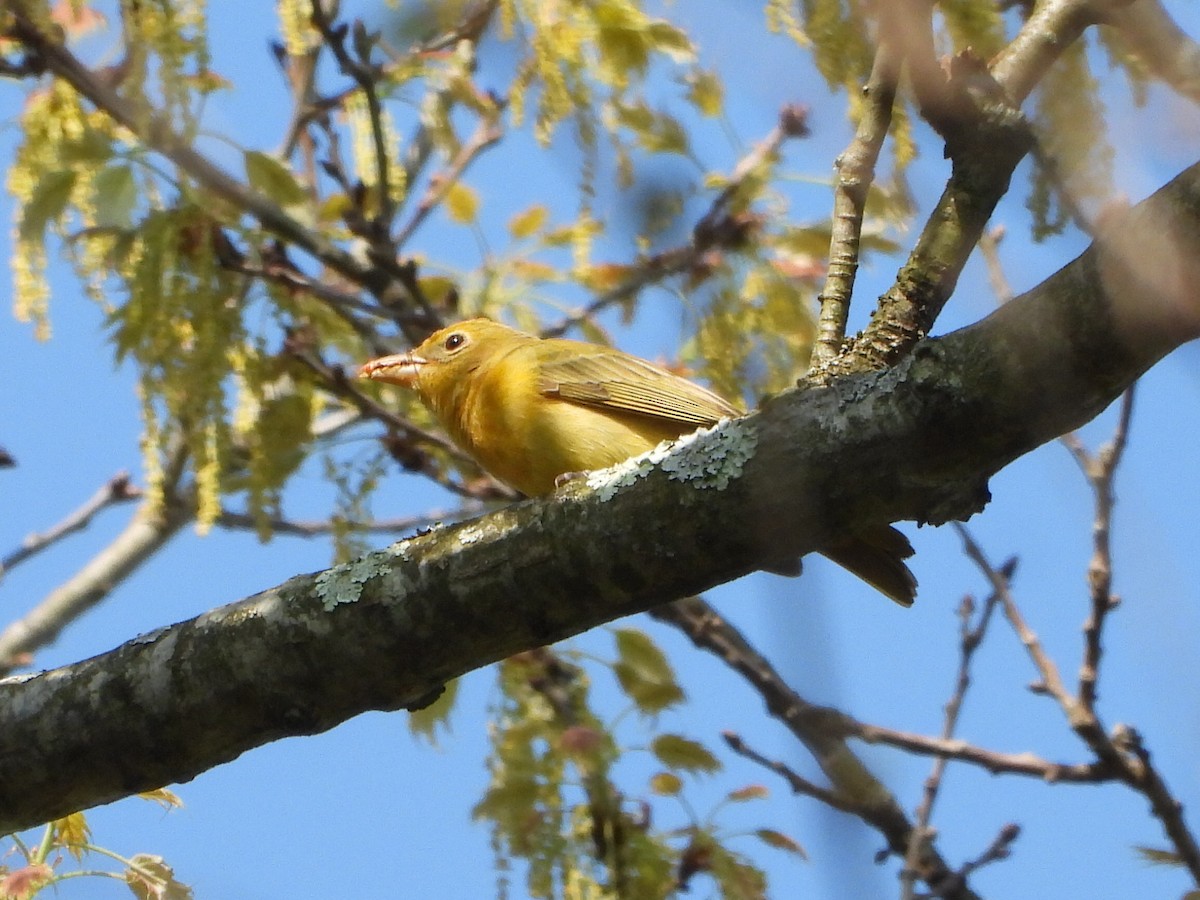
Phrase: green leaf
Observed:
(272, 178)
(527, 223)
(738, 879)
(655, 131)
(1157, 856)
(644, 673)
(89, 147)
(706, 92)
(670, 40)
(462, 203)
(780, 841)
(636, 649)
(48, 202)
(114, 194)
(749, 792)
(666, 784)
(677, 752)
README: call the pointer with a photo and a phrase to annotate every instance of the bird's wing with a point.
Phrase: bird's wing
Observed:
(627, 384)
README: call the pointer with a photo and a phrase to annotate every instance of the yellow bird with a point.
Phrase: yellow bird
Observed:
(529, 409)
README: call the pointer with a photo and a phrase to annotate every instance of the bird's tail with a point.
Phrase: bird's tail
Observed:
(877, 557)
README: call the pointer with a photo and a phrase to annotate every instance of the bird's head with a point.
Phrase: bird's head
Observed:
(446, 358)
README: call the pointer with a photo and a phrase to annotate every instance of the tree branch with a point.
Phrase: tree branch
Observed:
(918, 441)
(854, 788)
(986, 138)
(118, 489)
(855, 174)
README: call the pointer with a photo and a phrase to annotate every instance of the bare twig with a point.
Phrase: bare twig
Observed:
(993, 761)
(1051, 681)
(118, 489)
(720, 227)
(236, 521)
(798, 783)
(820, 729)
(970, 638)
(366, 75)
(487, 133)
(1100, 472)
(145, 535)
(469, 28)
(1121, 752)
(856, 172)
(997, 850)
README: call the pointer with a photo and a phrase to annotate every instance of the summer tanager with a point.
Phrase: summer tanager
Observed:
(529, 410)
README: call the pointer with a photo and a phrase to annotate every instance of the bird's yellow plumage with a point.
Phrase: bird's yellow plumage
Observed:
(529, 410)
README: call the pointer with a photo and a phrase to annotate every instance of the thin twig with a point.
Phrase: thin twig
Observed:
(855, 174)
(1101, 474)
(719, 227)
(366, 75)
(1051, 681)
(798, 783)
(236, 521)
(145, 534)
(970, 639)
(817, 728)
(118, 489)
(991, 761)
(487, 133)
(999, 849)
(470, 28)
(1121, 752)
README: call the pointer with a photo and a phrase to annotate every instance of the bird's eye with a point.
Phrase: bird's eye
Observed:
(454, 341)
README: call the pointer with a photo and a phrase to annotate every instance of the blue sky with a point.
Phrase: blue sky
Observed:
(365, 810)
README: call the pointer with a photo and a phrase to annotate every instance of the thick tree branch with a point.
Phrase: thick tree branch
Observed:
(918, 441)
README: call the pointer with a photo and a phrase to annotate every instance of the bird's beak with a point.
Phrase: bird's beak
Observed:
(402, 369)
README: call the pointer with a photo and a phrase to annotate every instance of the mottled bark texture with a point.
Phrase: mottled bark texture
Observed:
(918, 441)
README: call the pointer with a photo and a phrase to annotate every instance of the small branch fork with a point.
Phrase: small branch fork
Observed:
(822, 730)
(970, 638)
(976, 108)
(1120, 752)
